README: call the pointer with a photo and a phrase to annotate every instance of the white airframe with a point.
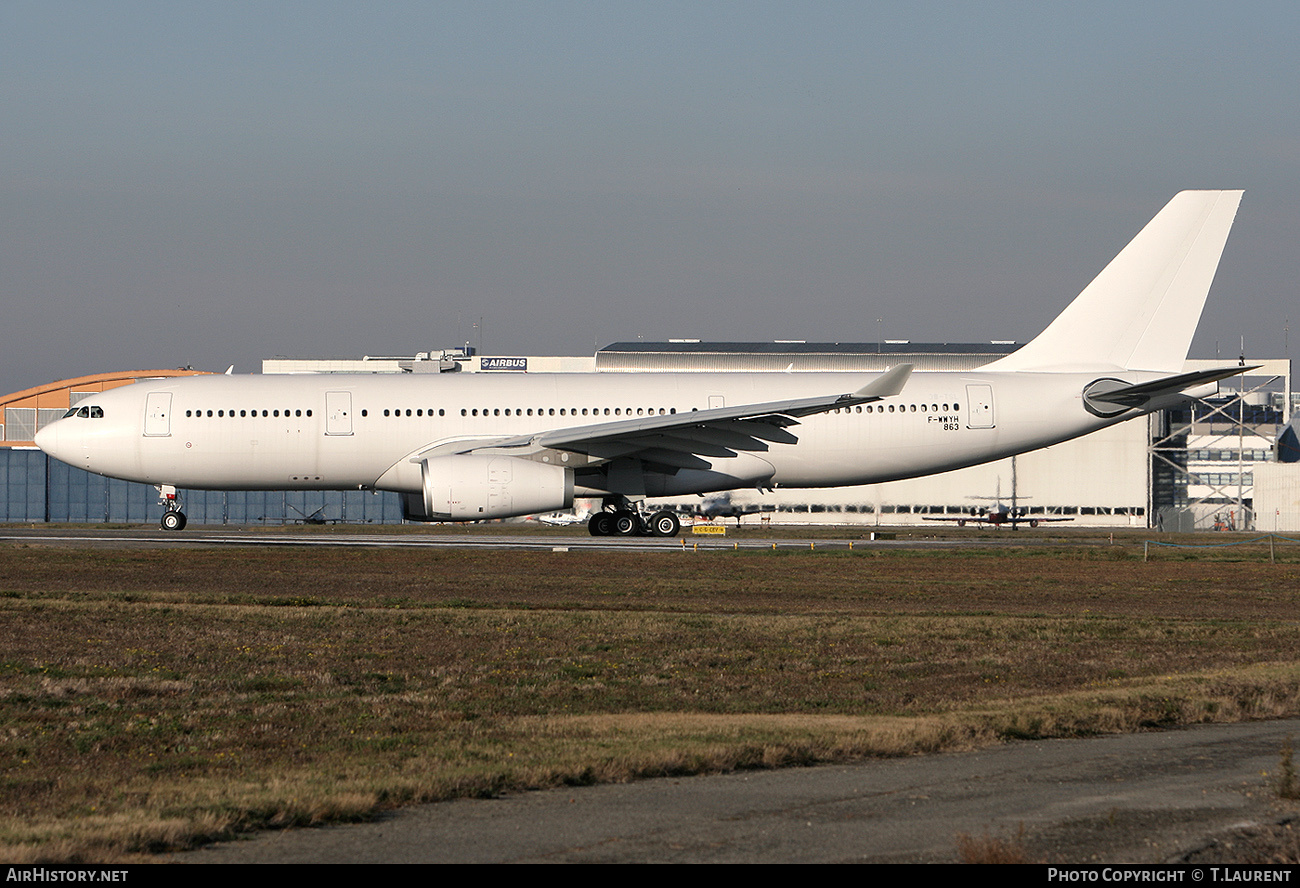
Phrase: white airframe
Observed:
(463, 447)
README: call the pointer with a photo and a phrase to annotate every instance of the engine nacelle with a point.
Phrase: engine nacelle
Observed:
(471, 487)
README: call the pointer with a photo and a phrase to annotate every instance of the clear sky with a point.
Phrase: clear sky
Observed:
(219, 182)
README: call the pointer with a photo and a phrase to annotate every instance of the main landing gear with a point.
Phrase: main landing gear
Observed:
(173, 518)
(629, 522)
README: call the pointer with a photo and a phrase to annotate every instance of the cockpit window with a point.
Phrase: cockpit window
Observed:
(85, 412)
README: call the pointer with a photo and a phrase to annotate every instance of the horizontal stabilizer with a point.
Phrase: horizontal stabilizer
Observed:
(1116, 392)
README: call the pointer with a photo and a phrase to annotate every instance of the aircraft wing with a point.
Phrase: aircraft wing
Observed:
(680, 439)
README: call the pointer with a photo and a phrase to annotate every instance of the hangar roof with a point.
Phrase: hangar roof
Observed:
(831, 356)
(23, 413)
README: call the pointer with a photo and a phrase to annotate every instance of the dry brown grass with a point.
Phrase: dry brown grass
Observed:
(991, 849)
(157, 699)
(1288, 786)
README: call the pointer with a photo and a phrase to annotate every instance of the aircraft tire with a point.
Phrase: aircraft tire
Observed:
(664, 524)
(601, 525)
(627, 524)
(173, 521)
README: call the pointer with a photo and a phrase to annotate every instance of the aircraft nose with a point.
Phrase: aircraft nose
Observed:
(48, 439)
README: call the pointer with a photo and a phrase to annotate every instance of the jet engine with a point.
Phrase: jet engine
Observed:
(471, 487)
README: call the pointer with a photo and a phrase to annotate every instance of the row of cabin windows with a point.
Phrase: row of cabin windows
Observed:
(552, 411)
(540, 411)
(902, 408)
(571, 411)
(223, 413)
(562, 411)
(651, 411)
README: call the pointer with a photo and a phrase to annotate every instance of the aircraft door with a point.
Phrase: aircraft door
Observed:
(979, 406)
(158, 415)
(338, 413)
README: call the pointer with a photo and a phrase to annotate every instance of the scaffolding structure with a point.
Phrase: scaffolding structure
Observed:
(1203, 455)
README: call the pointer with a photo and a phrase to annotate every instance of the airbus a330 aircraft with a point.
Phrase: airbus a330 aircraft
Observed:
(464, 447)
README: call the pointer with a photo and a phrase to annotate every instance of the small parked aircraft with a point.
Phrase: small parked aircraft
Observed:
(1002, 513)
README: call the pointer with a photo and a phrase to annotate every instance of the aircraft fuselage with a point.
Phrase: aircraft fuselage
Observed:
(347, 432)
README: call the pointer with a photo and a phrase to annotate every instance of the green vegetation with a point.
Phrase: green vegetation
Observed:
(153, 699)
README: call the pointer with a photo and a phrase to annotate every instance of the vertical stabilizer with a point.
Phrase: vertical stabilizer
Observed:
(1141, 311)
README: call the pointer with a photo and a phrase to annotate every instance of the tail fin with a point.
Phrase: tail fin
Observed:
(1141, 311)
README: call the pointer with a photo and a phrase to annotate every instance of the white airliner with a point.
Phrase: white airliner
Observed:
(470, 446)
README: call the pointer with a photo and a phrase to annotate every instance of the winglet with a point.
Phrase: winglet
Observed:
(887, 384)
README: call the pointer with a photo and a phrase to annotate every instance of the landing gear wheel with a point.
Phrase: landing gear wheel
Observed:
(601, 524)
(627, 524)
(173, 521)
(664, 524)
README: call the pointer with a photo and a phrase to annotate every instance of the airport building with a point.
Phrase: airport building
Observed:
(1216, 463)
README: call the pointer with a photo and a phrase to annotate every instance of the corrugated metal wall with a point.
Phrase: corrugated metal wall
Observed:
(1277, 497)
(35, 488)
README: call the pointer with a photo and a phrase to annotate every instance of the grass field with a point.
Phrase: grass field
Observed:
(153, 699)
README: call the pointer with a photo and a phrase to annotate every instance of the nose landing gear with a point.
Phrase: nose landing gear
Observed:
(173, 518)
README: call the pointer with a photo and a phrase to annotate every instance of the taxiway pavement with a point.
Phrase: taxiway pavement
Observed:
(1136, 798)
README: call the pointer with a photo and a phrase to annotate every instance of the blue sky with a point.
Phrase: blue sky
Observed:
(214, 183)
